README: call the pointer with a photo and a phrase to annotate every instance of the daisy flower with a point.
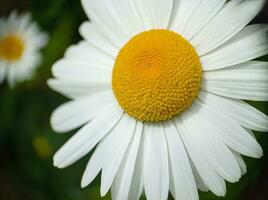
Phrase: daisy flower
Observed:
(20, 44)
(158, 87)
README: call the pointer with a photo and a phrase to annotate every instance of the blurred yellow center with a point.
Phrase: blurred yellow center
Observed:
(156, 76)
(11, 48)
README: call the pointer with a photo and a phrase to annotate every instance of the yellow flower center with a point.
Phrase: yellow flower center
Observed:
(156, 76)
(11, 48)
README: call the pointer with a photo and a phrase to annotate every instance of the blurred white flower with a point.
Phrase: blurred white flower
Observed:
(156, 85)
(20, 44)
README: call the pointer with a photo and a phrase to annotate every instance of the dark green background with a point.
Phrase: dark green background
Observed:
(27, 142)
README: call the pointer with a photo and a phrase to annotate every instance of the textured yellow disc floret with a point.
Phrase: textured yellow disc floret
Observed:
(11, 48)
(156, 76)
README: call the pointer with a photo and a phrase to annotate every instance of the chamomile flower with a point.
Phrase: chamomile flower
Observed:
(158, 88)
(20, 44)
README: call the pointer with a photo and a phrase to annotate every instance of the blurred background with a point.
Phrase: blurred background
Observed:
(27, 142)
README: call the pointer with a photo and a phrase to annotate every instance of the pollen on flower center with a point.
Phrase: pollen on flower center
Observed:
(156, 76)
(11, 48)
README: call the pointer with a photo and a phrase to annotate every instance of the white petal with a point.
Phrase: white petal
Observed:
(2, 72)
(181, 172)
(229, 131)
(248, 81)
(23, 23)
(250, 43)
(76, 113)
(12, 75)
(97, 160)
(41, 40)
(136, 187)
(80, 71)
(115, 18)
(201, 16)
(86, 138)
(118, 141)
(240, 162)
(175, 6)
(211, 147)
(155, 14)
(156, 169)
(102, 152)
(94, 56)
(251, 133)
(228, 22)
(77, 89)
(210, 177)
(95, 164)
(199, 181)
(183, 15)
(245, 114)
(34, 38)
(12, 22)
(122, 183)
(92, 35)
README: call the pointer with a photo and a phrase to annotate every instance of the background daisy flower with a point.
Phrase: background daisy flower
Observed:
(20, 44)
(156, 86)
